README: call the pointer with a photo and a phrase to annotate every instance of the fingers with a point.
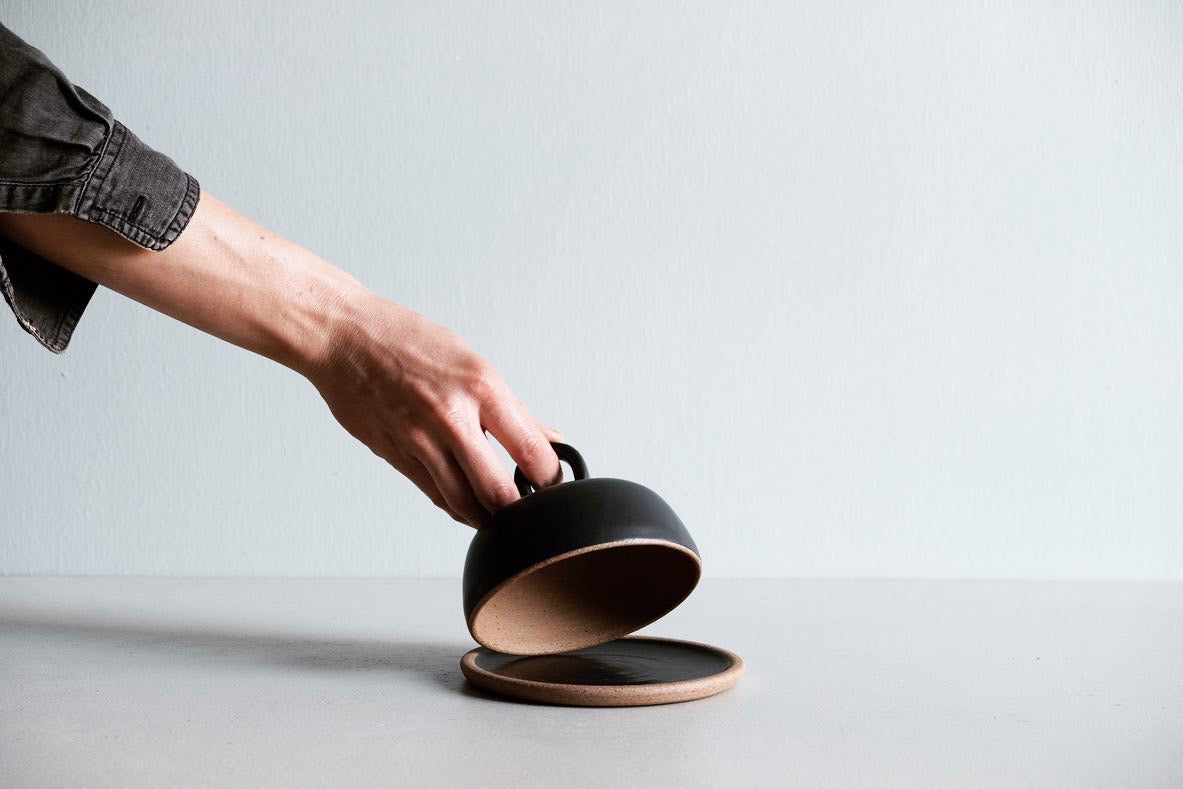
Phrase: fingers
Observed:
(453, 484)
(420, 477)
(524, 438)
(491, 481)
(460, 471)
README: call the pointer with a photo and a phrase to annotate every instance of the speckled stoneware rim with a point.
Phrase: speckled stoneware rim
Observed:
(603, 635)
(608, 695)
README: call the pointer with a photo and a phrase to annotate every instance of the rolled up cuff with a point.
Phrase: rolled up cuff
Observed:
(138, 192)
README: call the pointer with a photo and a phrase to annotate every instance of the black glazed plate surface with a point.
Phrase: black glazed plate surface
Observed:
(626, 672)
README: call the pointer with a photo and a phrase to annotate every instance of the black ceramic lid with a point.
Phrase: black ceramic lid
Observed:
(612, 556)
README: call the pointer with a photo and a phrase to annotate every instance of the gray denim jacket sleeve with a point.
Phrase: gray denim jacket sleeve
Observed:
(61, 151)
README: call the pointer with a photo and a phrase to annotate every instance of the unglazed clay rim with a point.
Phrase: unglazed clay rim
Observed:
(624, 631)
(608, 695)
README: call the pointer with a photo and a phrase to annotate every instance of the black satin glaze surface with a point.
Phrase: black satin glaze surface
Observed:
(627, 661)
(564, 518)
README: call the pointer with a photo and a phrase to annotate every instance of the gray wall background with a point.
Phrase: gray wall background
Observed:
(863, 289)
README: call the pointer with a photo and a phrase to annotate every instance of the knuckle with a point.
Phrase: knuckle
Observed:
(539, 461)
(500, 493)
(418, 439)
(484, 381)
(455, 417)
(533, 449)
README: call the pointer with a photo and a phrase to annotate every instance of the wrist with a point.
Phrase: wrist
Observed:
(321, 320)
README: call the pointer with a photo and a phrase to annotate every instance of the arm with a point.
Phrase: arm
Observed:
(407, 388)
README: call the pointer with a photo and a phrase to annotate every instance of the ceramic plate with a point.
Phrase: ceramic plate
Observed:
(623, 673)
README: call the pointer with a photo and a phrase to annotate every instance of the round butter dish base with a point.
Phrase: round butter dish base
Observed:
(627, 672)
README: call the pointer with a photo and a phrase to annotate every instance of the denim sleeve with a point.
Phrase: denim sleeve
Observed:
(62, 151)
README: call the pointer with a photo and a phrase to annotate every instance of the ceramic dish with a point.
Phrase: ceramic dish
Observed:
(576, 564)
(627, 672)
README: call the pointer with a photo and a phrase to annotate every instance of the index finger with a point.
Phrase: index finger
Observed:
(524, 439)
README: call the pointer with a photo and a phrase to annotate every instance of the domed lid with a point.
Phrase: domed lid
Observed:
(576, 564)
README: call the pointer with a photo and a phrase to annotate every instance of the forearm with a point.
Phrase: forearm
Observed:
(225, 275)
(409, 389)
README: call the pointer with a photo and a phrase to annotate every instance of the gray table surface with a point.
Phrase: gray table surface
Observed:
(130, 682)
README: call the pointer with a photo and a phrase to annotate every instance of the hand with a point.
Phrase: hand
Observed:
(421, 399)
(411, 390)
